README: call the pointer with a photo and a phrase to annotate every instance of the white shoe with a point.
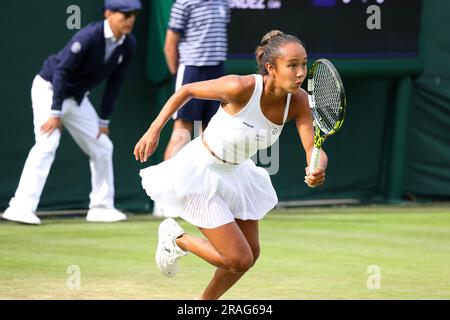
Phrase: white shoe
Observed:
(105, 215)
(167, 252)
(18, 215)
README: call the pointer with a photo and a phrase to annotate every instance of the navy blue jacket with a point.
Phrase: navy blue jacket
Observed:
(80, 66)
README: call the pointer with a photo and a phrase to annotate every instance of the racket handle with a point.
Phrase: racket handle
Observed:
(315, 159)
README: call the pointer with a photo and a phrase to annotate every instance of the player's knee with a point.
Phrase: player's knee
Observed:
(256, 251)
(241, 264)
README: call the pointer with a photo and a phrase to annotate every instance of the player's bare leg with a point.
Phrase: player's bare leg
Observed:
(232, 248)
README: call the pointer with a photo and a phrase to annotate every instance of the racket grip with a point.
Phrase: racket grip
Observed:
(315, 159)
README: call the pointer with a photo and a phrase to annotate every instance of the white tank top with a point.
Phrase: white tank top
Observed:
(235, 138)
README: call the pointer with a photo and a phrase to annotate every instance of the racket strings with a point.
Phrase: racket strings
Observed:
(327, 98)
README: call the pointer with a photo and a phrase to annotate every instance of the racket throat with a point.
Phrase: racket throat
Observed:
(312, 101)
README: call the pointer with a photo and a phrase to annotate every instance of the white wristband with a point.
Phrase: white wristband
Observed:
(103, 123)
(55, 113)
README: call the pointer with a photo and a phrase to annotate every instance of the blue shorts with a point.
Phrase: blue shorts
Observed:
(196, 109)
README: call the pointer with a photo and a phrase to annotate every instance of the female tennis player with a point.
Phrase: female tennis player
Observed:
(212, 183)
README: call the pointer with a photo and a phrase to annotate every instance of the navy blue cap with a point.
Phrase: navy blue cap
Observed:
(122, 5)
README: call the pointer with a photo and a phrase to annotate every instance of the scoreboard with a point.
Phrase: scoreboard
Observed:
(355, 29)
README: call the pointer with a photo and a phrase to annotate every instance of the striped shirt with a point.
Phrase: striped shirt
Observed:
(202, 25)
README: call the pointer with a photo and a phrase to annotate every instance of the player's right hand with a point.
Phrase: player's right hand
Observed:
(314, 178)
(50, 125)
(146, 145)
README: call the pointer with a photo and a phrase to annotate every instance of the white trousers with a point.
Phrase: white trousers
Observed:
(82, 124)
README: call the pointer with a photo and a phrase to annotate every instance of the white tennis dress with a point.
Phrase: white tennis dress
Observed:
(212, 180)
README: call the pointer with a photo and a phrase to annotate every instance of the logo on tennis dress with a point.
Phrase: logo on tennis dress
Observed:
(119, 61)
(274, 131)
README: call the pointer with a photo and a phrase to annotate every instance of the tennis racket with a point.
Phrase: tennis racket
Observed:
(326, 97)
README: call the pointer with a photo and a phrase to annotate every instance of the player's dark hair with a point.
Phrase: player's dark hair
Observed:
(269, 48)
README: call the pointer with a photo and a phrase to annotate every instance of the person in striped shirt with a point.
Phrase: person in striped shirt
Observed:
(195, 50)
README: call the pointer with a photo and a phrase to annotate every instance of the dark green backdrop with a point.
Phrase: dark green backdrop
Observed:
(394, 141)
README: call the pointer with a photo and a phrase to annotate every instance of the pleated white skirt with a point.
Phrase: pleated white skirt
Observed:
(206, 192)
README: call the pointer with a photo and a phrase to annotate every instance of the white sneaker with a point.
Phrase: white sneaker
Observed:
(105, 215)
(167, 252)
(24, 216)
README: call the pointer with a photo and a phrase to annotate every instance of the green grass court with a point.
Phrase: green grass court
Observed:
(321, 253)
